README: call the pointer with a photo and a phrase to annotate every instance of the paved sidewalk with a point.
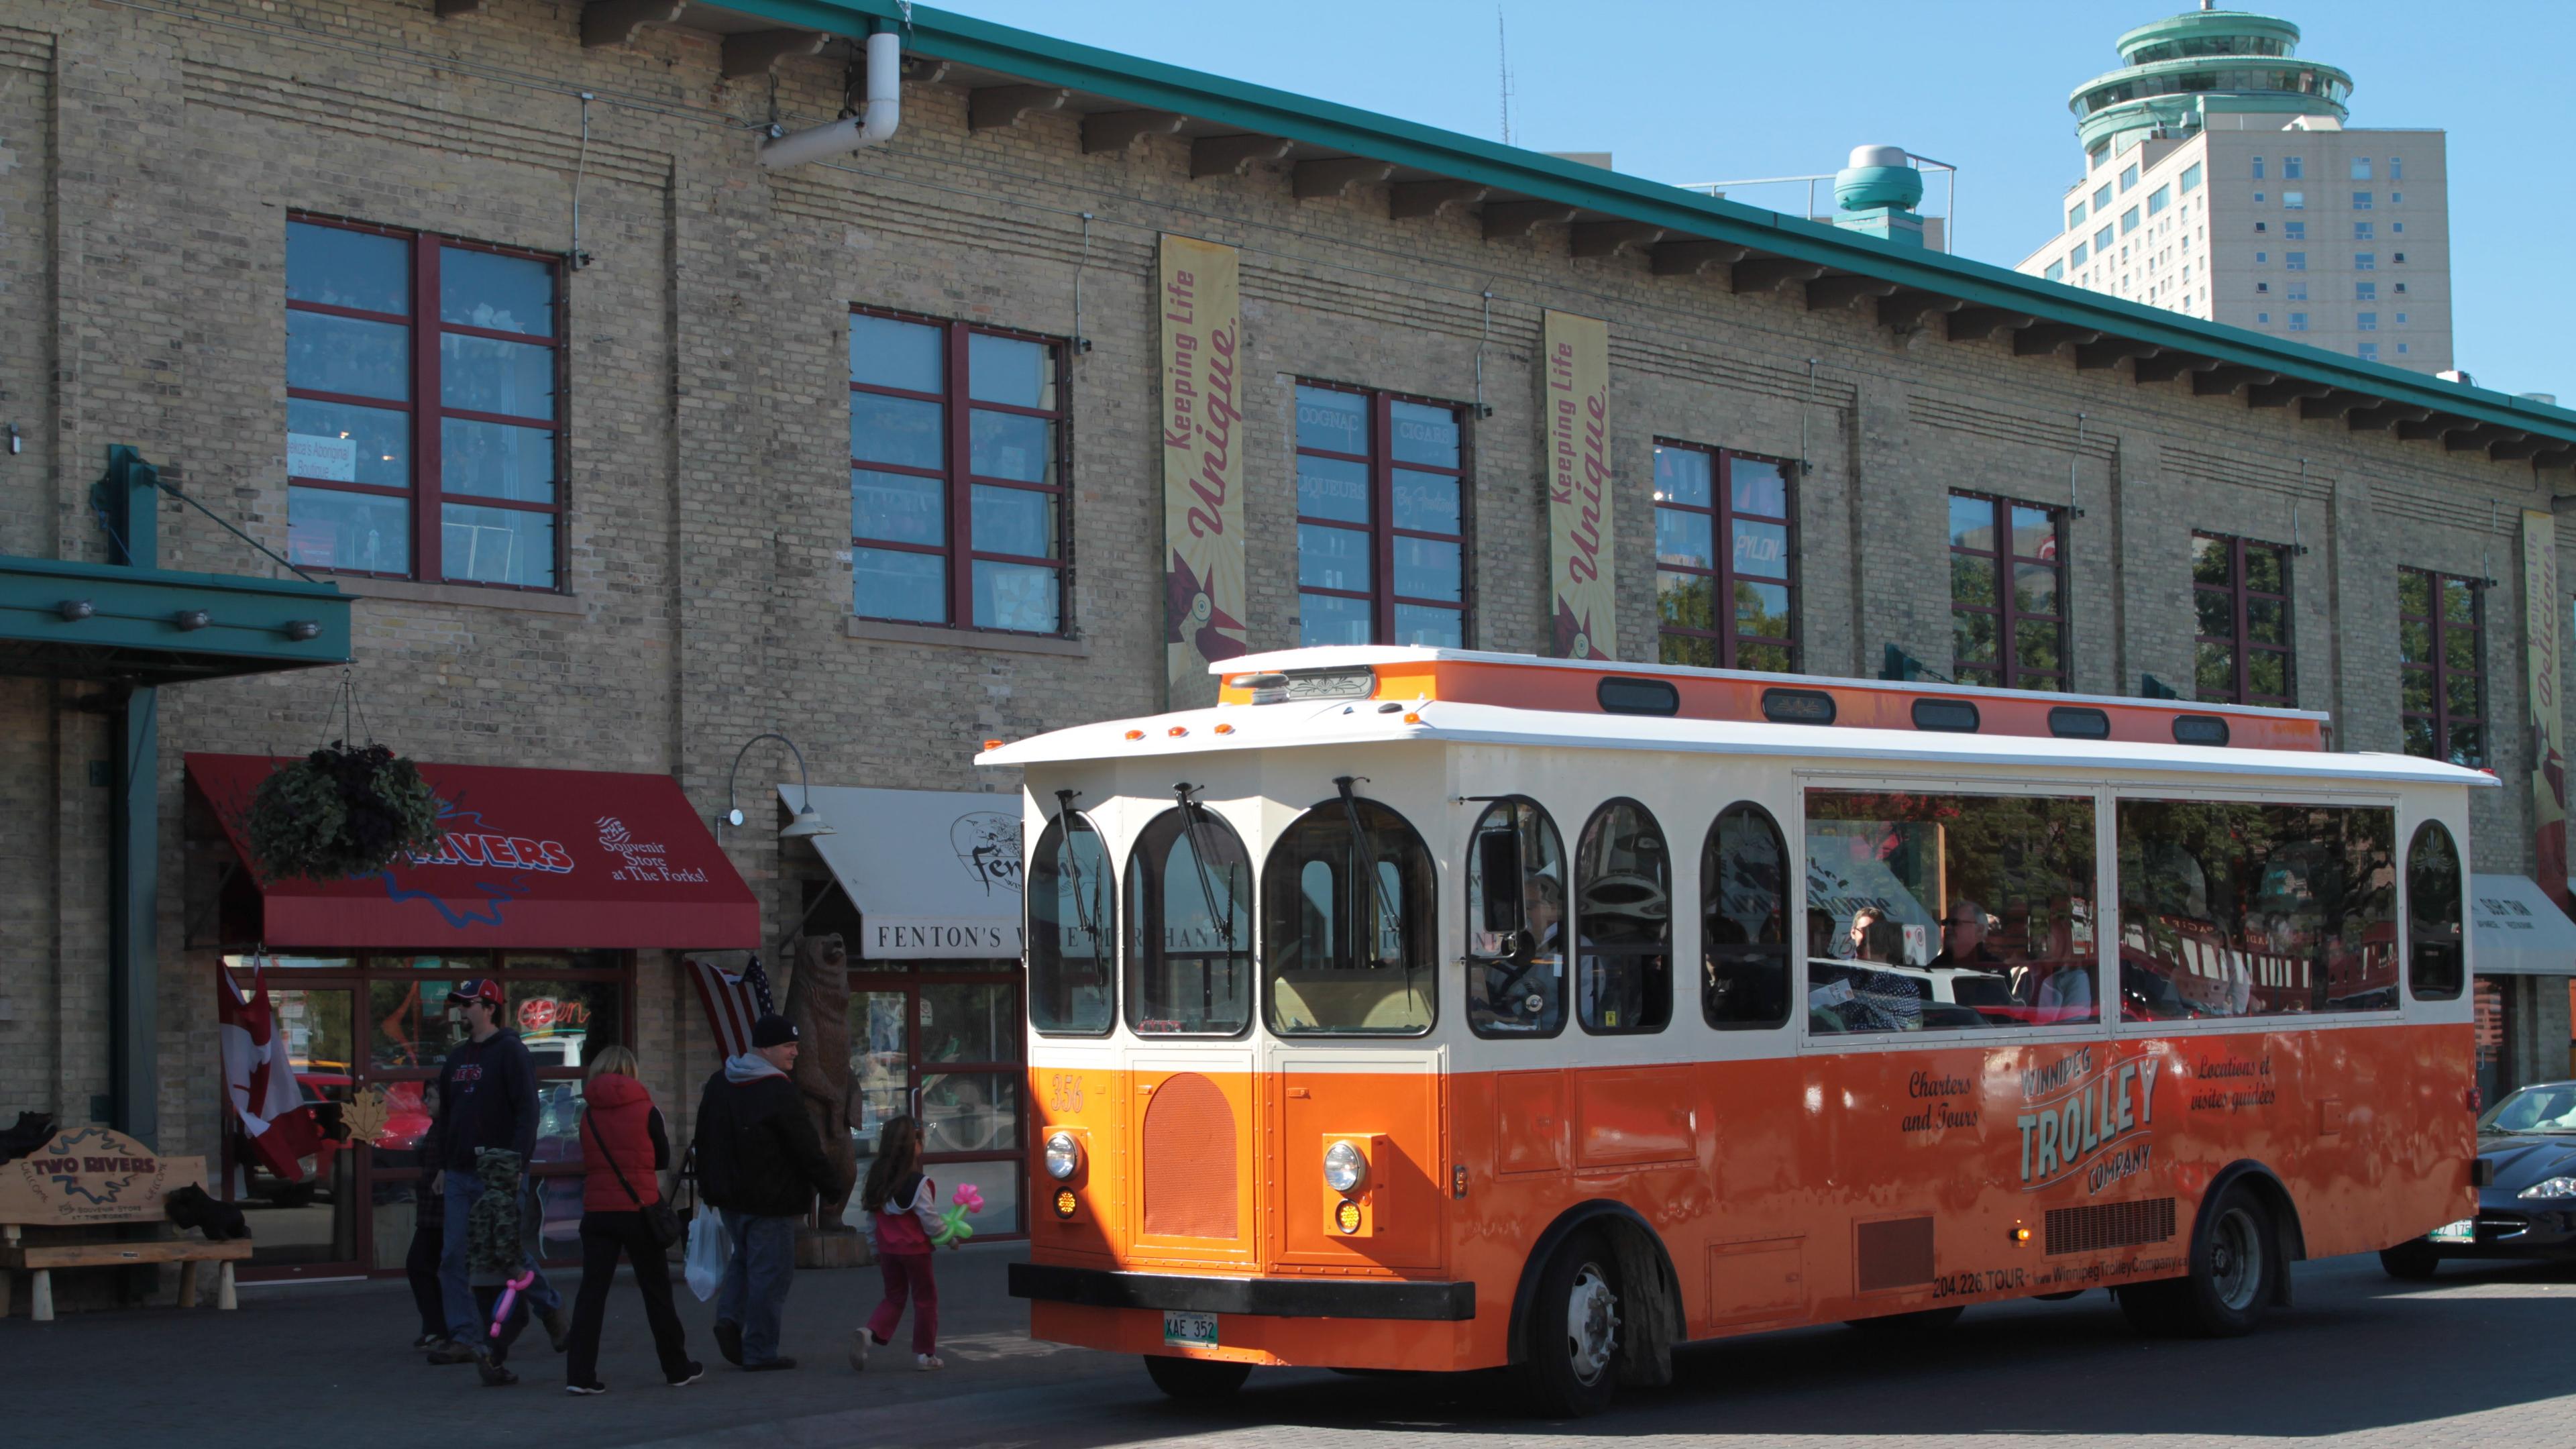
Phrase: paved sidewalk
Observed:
(329, 1363)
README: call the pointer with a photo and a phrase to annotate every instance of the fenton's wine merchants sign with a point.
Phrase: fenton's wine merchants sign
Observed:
(1200, 303)
(1575, 400)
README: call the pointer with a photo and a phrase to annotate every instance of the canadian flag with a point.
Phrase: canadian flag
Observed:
(261, 1081)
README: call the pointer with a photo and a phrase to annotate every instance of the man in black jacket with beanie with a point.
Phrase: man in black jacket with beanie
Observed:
(761, 1165)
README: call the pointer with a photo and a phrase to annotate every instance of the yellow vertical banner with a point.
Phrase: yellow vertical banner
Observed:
(1575, 401)
(2544, 633)
(1201, 303)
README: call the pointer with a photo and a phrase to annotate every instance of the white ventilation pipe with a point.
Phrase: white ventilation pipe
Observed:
(875, 121)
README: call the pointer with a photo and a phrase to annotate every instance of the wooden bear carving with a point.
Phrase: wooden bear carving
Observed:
(818, 1001)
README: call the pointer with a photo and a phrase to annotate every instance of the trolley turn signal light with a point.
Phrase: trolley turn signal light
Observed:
(1066, 1203)
(2020, 1235)
(1347, 1216)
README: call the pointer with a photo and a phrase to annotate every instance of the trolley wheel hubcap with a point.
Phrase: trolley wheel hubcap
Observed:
(2236, 1260)
(1591, 1323)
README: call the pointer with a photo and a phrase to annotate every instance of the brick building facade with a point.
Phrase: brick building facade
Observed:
(151, 158)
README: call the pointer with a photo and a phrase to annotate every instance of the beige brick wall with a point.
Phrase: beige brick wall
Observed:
(151, 158)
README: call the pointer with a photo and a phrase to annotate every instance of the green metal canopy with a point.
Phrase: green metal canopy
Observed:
(148, 626)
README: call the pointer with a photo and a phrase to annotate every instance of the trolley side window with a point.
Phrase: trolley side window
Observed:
(2236, 909)
(1073, 930)
(1189, 934)
(1946, 912)
(1350, 924)
(1515, 922)
(1744, 921)
(2433, 952)
(1623, 907)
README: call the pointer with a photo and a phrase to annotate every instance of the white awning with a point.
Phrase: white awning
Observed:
(935, 873)
(2517, 930)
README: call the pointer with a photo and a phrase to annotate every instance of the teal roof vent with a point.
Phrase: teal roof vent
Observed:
(1878, 176)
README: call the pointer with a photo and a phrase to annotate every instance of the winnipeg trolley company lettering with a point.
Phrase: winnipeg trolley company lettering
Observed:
(2099, 1127)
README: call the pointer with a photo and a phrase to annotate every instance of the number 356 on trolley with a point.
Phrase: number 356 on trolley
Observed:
(1441, 1010)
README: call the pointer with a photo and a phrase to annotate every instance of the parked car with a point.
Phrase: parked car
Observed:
(2528, 1207)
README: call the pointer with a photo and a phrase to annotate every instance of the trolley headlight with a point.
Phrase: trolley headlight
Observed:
(2554, 1187)
(1063, 1156)
(1345, 1167)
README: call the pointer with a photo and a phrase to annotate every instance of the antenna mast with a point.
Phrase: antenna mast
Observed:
(1503, 67)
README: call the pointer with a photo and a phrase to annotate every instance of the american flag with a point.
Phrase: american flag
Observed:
(733, 1001)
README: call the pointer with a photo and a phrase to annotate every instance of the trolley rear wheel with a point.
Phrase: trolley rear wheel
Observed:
(1195, 1380)
(2236, 1269)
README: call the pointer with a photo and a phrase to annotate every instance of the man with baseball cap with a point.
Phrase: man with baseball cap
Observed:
(487, 1092)
(761, 1165)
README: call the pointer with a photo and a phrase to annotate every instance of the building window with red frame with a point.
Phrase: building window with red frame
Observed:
(1725, 558)
(2007, 593)
(1381, 519)
(2240, 590)
(956, 487)
(2441, 675)
(424, 386)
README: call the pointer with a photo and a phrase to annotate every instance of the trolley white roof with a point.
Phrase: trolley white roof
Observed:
(1366, 721)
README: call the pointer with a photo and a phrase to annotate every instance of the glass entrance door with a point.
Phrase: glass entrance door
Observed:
(944, 1046)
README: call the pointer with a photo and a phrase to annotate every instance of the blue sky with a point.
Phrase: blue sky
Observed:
(1709, 91)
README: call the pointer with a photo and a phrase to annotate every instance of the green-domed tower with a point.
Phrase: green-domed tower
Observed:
(2177, 72)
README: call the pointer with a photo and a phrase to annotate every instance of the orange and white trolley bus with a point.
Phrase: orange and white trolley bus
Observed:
(1432, 1009)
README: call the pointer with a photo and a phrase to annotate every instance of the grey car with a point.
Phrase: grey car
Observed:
(2527, 1207)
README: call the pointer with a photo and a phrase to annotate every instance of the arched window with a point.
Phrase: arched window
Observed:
(1744, 921)
(1515, 922)
(1350, 924)
(1073, 929)
(1189, 932)
(1623, 906)
(2433, 914)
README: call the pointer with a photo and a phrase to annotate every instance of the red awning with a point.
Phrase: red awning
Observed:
(534, 859)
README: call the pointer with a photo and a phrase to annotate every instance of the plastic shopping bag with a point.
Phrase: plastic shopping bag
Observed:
(709, 1248)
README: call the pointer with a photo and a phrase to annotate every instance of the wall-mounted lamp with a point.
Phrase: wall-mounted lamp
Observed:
(808, 822)
(17, 441)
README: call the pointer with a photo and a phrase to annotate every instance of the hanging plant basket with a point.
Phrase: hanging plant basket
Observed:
(344, 810)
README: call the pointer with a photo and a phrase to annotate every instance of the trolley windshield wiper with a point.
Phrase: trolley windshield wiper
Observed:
(1081, 897)
(1191, 811)
(1368, 857)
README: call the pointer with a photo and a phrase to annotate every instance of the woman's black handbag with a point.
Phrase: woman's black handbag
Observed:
(660, 1223)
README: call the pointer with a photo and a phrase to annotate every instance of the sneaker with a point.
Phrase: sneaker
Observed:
(589, 1388)
(696, 1372)
(448, 1350)
(729, 1341)
(773, 1366)
(858, 1350)
(925, 1362)
(429, 1340)
(558, 1329)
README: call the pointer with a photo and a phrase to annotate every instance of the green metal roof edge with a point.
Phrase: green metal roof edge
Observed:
(120, 573)
(1156, 86)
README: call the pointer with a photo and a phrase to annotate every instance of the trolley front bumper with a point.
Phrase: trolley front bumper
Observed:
(1421, 1302)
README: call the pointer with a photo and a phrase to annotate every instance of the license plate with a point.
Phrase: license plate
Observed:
(1189, 1330)
(2463, 1231)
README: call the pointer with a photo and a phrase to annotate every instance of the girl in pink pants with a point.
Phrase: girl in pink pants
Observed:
(902, 1208)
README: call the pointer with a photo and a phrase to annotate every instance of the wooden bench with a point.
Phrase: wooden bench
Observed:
(96, 1177)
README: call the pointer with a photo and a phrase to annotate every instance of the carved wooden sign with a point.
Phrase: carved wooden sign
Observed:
(92, 1174)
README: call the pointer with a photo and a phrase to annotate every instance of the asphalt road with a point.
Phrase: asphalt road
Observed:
(2477, 1357)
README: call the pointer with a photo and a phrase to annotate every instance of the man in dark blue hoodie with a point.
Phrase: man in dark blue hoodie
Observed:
(487, 1093)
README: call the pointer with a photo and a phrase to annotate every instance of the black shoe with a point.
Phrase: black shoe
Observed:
(429, 1340)
(488, 1364)
(696, 1372)
(558, 1330)
(448, 1350)
(729, 1341)
(775, 1364)
(593, 1387)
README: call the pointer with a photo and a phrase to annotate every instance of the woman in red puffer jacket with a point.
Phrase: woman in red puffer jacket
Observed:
(624, 1148)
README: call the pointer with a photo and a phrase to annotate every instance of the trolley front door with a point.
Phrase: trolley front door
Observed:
(944, 1046)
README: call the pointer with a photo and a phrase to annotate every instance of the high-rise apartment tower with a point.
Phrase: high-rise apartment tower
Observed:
(2220, 181)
